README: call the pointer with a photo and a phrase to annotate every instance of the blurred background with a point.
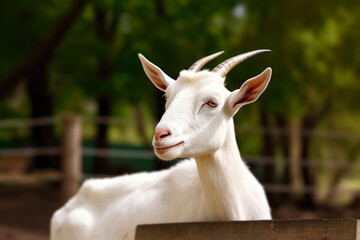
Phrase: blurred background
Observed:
(75, 102)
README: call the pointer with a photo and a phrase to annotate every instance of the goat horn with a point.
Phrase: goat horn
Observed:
(225, 67)
(201, 62)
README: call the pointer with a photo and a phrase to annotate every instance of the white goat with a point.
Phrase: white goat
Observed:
(215, 185)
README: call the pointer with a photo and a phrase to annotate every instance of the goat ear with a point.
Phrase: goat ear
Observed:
(249, 91)
(155, 74)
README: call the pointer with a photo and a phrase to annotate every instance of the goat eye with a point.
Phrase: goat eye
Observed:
(212, 104)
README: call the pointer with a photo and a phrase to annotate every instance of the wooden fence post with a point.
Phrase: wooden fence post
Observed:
(71, 156)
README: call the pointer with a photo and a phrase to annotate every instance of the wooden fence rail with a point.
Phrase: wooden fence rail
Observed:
(71, 152)
(316, 229)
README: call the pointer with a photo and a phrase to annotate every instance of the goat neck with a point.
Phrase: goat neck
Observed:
(222, 174)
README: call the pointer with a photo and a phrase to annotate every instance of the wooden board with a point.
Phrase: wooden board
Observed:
(322, 229)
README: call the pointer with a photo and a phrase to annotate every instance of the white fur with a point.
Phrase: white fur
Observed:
(214, 185)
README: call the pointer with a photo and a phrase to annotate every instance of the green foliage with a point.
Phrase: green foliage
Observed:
(314, 50)
(22, 25)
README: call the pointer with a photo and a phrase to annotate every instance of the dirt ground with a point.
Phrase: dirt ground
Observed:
(25, 211)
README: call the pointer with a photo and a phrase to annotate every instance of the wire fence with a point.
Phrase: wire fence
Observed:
(149, 155)
(30, 152)
(45, 121)
(329, 134)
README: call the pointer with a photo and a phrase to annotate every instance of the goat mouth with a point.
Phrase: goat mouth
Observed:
(164, 149)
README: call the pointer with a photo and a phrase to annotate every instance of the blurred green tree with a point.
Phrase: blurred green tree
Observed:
(34, 69)
(313, 67)
(90, 66)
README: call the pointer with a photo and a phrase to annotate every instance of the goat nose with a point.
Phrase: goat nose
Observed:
(161, 133)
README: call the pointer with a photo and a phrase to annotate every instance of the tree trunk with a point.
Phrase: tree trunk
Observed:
(295, 147)
(101, 141)
(268, 147)
(41, 104)
(270, 144)
(35, 70)
(105, 32)
(309, 124)
(104, 103)
(283, 126)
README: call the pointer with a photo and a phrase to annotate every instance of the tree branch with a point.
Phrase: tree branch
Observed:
(114, 25)
(313, 117)
(45, 51)
(100, 22)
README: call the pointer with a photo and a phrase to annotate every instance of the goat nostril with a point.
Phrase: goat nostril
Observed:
(162, 134)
